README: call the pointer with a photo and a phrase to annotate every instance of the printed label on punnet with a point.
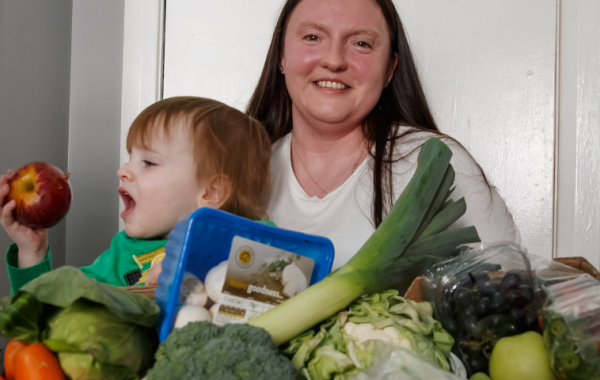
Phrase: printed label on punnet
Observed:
(260, 277)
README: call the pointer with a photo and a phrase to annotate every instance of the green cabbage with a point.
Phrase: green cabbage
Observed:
(99, 330)
(93, 343)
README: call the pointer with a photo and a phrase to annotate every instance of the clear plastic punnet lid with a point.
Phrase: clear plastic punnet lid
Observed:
(209, 237)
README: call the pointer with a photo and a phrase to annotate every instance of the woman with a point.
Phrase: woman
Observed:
(341, 99)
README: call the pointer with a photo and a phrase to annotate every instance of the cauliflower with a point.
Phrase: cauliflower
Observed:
(366, 332)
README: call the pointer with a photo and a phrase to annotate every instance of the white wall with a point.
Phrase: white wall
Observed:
(217, 50)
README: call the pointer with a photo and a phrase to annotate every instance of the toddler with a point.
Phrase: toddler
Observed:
(184, 153)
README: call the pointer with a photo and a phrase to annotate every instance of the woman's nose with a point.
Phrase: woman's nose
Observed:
(334, 57)
(124, 173)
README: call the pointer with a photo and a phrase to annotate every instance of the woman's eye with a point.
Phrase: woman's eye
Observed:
(311, 37)
(148, 163)
(364, 44)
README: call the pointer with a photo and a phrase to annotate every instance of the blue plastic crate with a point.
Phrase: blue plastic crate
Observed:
(205, 240)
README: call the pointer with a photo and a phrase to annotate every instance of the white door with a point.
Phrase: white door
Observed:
(489, 70)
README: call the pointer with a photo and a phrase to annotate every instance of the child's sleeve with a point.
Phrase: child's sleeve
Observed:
(108, 267)
(100, 267)
(21, 276)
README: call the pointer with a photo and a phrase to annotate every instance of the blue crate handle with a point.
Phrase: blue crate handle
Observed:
(202, 241)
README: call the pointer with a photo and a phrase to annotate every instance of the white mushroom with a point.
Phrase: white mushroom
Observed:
(293, 280)
(192, 291)
(191, 313)
(215, 279)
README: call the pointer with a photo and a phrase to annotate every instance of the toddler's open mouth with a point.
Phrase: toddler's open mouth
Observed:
(128, 201)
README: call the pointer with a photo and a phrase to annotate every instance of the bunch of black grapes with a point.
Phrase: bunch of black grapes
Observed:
(477, 311)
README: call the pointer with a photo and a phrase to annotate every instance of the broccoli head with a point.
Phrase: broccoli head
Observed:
(204, 351)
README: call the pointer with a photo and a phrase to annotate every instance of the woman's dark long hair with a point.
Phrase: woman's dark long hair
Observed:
(402, 102)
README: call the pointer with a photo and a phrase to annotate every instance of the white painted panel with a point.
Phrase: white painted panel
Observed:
(217, 49)
(578, 230)
(488, 69)
(567, 131)
(587, 196)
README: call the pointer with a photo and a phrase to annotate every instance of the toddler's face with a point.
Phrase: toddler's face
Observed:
(159, 185)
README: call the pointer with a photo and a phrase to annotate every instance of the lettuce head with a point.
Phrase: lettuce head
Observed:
(98, 330)
(93, 343)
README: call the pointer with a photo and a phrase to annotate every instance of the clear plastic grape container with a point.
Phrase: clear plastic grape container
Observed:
(486, 293)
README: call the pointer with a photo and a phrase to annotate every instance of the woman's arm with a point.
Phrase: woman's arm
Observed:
(486, 209)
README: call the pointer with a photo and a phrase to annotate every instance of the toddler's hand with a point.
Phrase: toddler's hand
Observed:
(153, 274)
(32, 243)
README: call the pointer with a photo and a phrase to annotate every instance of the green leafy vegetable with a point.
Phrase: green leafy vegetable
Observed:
(94, 342)
(19, 317)
(65, 285)
(100, 331)
(204, 351)
(24, 315)
(344, 345)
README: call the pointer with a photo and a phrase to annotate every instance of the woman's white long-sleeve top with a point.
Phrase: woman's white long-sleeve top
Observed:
(345, 214)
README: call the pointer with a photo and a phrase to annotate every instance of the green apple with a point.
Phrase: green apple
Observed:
(480, 376)
(521, 357)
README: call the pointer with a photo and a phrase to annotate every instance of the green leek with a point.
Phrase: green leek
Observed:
(402, 248)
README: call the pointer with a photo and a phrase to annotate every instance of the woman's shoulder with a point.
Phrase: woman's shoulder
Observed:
(411, 139)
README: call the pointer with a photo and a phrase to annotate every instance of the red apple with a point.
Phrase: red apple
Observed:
(42, 193)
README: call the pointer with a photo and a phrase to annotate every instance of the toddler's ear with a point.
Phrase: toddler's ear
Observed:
(215, 192)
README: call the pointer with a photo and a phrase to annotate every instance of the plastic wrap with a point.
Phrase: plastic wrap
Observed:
(571, 321)
(487, 293)
(397, 363)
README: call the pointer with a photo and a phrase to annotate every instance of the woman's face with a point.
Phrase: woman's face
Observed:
(336, 61)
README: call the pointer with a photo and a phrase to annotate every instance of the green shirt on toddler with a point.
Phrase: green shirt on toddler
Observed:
(127, 262)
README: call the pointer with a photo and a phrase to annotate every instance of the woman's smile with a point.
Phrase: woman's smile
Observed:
(336, 61)
(331, 84)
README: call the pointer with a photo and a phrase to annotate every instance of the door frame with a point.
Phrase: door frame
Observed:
(143, 53)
